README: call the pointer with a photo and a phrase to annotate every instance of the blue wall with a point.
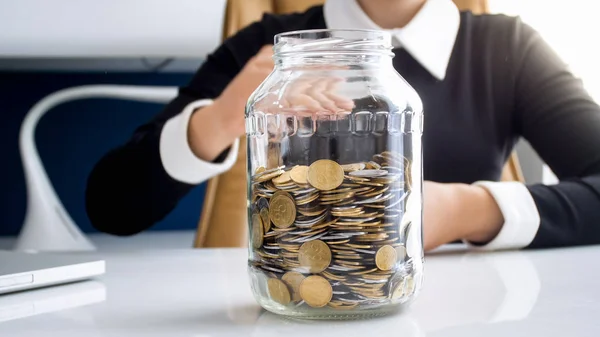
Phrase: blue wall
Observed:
(71, 138)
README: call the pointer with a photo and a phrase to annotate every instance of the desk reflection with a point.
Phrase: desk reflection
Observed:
(51, 299)
(497, 287)
(476, 288)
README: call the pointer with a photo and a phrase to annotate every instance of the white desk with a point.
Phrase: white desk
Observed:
(200, 293)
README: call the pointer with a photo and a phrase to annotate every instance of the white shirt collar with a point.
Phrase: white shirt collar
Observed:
(429, 37)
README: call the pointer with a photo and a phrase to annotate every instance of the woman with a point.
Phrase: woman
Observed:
(485, 81)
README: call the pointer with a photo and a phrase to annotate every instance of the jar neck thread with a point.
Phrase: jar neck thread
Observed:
(333, 59)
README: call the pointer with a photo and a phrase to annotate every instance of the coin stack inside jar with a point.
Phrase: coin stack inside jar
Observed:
(333, 235)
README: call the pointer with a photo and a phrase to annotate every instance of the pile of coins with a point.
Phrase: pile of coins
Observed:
(333, 235)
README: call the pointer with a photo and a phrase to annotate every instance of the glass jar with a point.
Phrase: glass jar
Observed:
(334, 178)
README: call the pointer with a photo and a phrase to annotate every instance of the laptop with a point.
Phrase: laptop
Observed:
(21, 271)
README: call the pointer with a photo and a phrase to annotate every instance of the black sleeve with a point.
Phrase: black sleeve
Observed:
(129, 190)
(562, 122)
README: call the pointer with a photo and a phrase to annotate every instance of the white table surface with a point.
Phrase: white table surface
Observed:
(204, 293)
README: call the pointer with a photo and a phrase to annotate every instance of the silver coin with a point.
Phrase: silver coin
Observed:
(350, 300)
(300, 232)
(395, 203)
(334, 237)
(303, 239)
(364, 251)
(368, 173)
(341, 209)
(341, 221)
(386, 197)
(299, 193)
(272, 269)
(339, 268)
(262, 203)
(310, 222)
(350, 234)
(372, 281)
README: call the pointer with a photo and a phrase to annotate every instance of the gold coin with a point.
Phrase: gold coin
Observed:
(299, 174)
(278, 291)
(325, 175)
(282, 179)
(264, 216)
(316, 291)
(386, 257)
(373, 165)
(268, 176)
(260, 170)
(257, 231)
(283, 193)
(409, 285)
(407, 173)
(282, 211)
(353, 167)
(293, 280)
(398, 292)
(315, 256)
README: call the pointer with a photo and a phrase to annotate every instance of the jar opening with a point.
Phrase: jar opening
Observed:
(329, 41)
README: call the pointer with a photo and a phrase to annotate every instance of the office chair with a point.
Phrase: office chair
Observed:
(48, 226)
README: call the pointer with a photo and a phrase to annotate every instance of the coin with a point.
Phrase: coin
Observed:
(373, 165)
(282, 211)
(278, 291)
(353, 167)
(264, 215)
(316, 291)
(282, 179)
(315, 256)
(268, 176)
(398, 291)
(343, 231)
(325, 174)
(409, 285)
(261, 169)
(386, 257)
(293, 279)
(401, 253)
(299, 174)
(368, 173)
(282, 193)
(257, 231)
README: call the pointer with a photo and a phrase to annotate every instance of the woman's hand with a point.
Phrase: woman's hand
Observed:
(223, 121)
(458, 211)
(213, 128)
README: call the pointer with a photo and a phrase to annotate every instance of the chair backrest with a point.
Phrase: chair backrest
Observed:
(223, 222)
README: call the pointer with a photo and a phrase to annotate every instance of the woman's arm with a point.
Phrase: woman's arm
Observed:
(189, 141)
(555, 114)
(562, 122)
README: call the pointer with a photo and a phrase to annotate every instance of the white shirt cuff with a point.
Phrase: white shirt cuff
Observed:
(177, 157)
(521, 217)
